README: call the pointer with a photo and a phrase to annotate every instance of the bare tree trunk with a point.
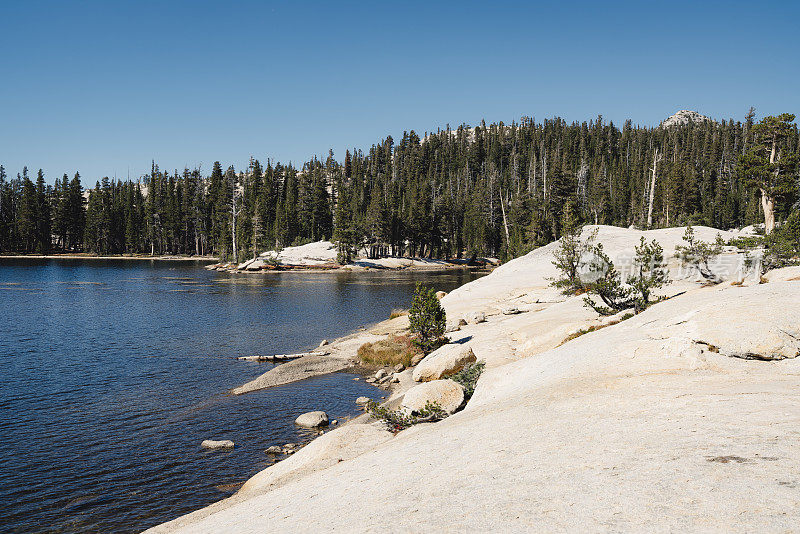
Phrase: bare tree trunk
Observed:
(768, 205)
(767, 201)
(505, 220)
(656, 159)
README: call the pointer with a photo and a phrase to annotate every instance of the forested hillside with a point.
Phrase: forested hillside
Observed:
(493, 190)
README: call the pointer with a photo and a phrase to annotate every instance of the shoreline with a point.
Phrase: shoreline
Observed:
(206, 259)
(341, 357)
(619, 409)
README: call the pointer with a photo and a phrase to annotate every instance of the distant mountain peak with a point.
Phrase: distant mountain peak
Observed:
(682, 117)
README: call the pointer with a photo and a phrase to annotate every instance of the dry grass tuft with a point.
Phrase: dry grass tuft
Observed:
(389, 351)
(583, 331)
(398, 312)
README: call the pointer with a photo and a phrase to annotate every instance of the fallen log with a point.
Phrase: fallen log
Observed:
(281, 357)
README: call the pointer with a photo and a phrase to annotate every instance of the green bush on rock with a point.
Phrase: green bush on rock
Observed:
(427, 319)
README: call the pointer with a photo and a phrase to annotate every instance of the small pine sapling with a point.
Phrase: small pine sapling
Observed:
(570, 256)
(427, 319)
(699, 254)
(606, 284)
(650, 272)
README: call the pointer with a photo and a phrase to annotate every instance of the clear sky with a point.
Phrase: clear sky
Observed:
(105, 87)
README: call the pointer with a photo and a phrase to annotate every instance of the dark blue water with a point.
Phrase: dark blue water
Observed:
(113, 372)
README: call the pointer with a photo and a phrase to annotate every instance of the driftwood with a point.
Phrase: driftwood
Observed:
(281, 357)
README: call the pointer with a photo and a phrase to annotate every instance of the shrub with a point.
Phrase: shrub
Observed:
(468, 377)
(607, 285)
(389, 351)
(649, 273)
(398, 420)
(570, 257)
(698, 254)
(783, 245)
(779, 249)
(427, 318)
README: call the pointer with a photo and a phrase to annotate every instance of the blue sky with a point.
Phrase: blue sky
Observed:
(104, 87)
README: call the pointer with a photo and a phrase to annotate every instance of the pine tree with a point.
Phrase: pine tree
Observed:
(76, 213)
(770, 165)
(427, 318)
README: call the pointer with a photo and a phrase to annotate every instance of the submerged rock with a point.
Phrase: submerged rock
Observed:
(443, 362)
(312, 419)
(217, 444)
(274, 449)
(447, 394)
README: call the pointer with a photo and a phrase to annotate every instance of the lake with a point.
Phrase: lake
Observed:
(114, 371)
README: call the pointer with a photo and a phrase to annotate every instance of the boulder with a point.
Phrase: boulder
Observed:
(312, 419)
(416, 359)
(274, 449)
(217, 444)
(448, 394)
(380, 374)
(244, 265)
(476, 317)
(786, 274)
(510, 310)
(255, 265)
(399, 367)
(443, 362)
(455, 326)
(441, 294)
(362, 400)
(323, 342)
(742, 329)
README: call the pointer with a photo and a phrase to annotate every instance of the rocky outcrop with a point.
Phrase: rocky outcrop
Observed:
(733, 326)
(443, 362)
(683, 117)
(298, 369)
(217, 444)
(446, 394)
(651, 412)
(312, 420)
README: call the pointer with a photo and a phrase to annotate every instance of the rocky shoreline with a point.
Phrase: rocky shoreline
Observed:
(680, 418)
